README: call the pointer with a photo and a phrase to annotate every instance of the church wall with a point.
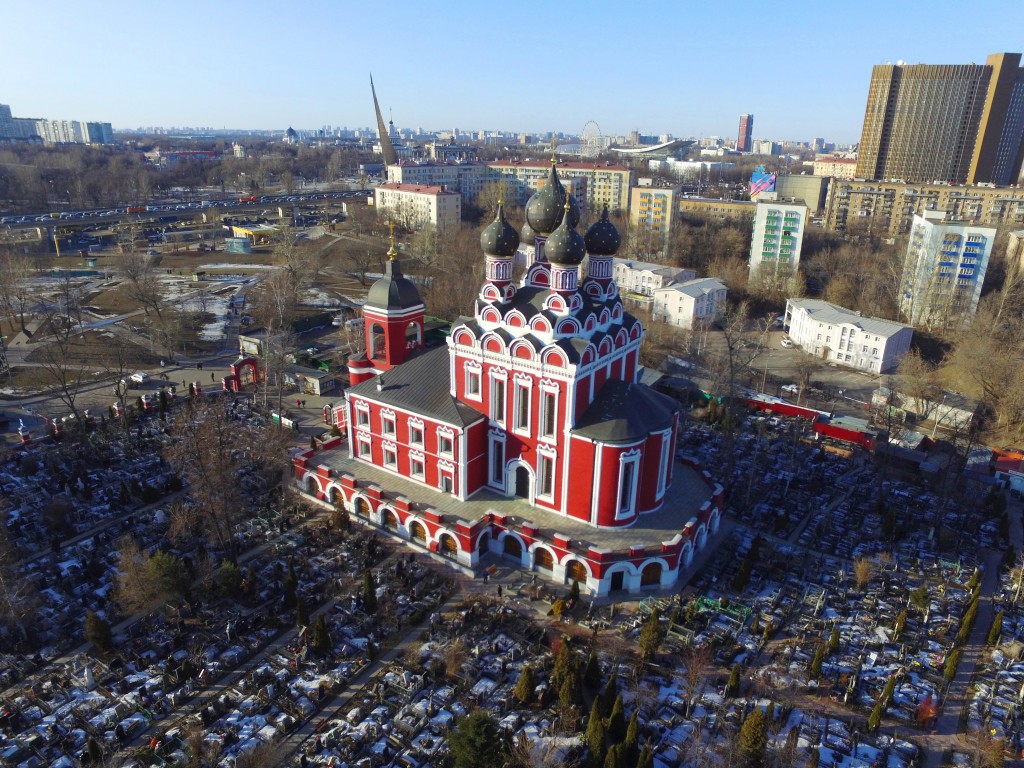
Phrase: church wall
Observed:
(580, 501)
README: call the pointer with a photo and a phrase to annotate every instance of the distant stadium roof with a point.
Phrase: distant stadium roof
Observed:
(668, 146)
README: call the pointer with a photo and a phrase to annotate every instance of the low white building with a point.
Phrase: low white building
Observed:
(836, 333)
(690, 304)
(645, 277)
(414, 205)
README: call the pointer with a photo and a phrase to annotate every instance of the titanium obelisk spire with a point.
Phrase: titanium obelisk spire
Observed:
(390, 158)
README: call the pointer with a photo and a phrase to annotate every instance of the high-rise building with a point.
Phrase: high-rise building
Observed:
(943, 271)
(745, 140)
(957, 123)
(778, 238)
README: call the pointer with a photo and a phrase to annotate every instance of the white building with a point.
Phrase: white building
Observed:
(467, 178)
(644, 277)
(778, 238)
(836, 333)
(414, 206)
(690, 304)
(943, 271)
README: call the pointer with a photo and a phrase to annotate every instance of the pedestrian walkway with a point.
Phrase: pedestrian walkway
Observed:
(947, 728)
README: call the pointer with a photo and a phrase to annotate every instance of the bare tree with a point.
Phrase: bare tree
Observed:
(63, 366)
(18, 596)
(863, 571)
(16, 290)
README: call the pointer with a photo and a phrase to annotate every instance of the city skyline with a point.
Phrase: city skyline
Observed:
(252, 66)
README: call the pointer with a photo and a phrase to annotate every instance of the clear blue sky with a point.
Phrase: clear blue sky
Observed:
(686, 68)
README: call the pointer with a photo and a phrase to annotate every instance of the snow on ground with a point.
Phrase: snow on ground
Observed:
(236, 266)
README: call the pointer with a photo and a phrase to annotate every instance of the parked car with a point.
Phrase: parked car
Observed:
(787, 343)
(139, 378)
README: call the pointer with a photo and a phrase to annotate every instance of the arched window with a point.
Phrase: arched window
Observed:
(447, 546)
(543, 559)
(513, 548)
(575, 571)
(417, 532)
(651, 575)
(362, 508)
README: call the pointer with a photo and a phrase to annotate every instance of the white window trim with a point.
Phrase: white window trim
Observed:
(445, 470)
(449, 434)
(522, 382)
(390, 450)
(496, 438)
(551, 456)
(388, 419)
(414, 458)
(474, 371)
(364, 449)
(631, 458)
(665, 464)
(548, 389)
(498, 410)
(362, 416)
(416, 424)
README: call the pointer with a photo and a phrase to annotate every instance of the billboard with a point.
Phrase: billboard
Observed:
(761, 182)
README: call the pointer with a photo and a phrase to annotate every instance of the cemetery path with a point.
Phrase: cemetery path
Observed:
(947, 732)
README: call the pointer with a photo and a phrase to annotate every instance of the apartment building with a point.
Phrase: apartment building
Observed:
(468, 179)
(651, 212)
(689, 304)
(841, 335)
(945, 122)
(710, 209)
(643, 278)
(887, 209)
(943, 271)
(836, 167)
(606, 184)
(414, 206)
(778, 238)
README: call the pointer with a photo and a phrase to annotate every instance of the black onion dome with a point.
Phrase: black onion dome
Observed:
(544, 210)
(565, 246)
(603, 238)
(394, 291)
(527, 234)
(499, 238)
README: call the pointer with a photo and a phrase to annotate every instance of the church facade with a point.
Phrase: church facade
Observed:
(536, 397)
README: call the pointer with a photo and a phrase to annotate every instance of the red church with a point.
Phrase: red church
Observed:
(537, 397)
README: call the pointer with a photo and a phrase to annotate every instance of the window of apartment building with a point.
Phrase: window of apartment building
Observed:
(415, 432)
(387, 424)
(874, 351)
(362, 415)
(390, 457)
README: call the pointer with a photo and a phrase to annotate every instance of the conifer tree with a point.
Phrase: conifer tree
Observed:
(617, 722)
(525, 686)
(595, 735)
(592, 673)
(732, 688)
(650, 636)
(631, 744)
(753, 740)
(369, 593)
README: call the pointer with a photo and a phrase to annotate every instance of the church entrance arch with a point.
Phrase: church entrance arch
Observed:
(651, 575)
(618, 581)
(522, 482)
(575, 571)
(513, 548)
(418, 533)
(447, 546)
(484, 545)
(543, 559)
(362, 508)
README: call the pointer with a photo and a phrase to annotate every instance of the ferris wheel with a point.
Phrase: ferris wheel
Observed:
(591, 140)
